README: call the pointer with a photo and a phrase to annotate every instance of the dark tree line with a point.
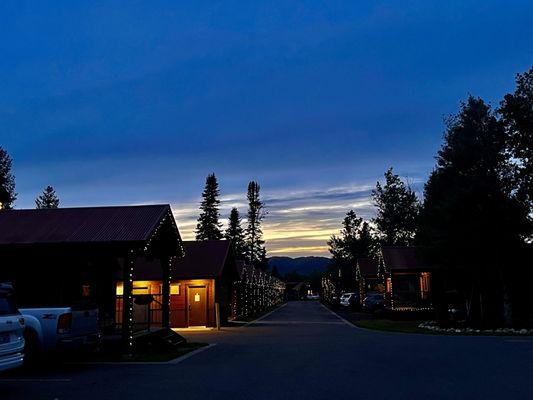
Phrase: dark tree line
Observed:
(395, 224)
(247, 242)
(475, 218)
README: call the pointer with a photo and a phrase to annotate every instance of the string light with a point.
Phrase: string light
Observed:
(255, 292)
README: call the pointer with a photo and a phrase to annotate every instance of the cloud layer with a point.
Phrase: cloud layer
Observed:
(297, 223)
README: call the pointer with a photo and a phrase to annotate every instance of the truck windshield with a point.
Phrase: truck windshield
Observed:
(7, 306)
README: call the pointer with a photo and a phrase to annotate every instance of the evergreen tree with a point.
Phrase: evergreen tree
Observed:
(48, 199)
(7, 181)
(470, 218)
(235, 233)
(356, 240)
(255, 244)
(517, 112)
(397, 211)
(208, 227)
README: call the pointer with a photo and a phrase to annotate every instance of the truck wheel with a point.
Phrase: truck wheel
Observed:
(31, 347)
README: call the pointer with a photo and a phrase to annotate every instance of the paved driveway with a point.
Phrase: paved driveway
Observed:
(303, 351)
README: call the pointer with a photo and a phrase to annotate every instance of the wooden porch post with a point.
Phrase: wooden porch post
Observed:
(165, 291)
(127, 303)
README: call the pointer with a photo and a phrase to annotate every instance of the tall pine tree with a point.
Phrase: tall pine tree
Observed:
(471, 222)
(235, 233)
(7, 181)
(397, 211)
(256, 252)
(48, 199)
(208, 227)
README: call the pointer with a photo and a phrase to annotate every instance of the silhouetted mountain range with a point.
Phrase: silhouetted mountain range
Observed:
(300, 265)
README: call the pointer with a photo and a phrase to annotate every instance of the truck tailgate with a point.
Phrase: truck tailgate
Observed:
(84, 322)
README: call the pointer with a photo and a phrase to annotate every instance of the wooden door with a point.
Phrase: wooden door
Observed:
(197, 305)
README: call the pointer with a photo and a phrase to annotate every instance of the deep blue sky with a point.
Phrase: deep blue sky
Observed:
(135, 102)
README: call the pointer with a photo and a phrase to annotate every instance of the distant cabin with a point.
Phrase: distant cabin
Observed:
(408, 277)
(367, 272)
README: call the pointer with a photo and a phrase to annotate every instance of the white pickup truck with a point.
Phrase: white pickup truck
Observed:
(11, 328)
(59, 329)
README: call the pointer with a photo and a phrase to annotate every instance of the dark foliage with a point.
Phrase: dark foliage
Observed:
(355, 241)
(397, 211)
(517, 113)
(48, 199)
(7, 181)
(255, 244)
(235, 233)
(208, 227)
(470, 221)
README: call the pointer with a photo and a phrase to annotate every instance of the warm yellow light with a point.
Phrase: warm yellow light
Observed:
(175, 288)
(141, 287)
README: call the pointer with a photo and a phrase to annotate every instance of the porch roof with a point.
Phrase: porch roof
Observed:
(202, 260)
(205, 259)
(405, 258)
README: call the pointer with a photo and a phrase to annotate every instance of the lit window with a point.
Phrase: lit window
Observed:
(424, 284)
(175, 288)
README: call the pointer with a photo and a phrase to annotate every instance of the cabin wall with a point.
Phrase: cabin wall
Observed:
(408, 291)
(179, 291)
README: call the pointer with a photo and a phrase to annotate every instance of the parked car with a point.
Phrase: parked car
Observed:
(373, 302)
(60, 329)
(11, 331)
(349, 300)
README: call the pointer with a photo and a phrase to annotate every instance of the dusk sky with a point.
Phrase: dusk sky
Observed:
(136, 102)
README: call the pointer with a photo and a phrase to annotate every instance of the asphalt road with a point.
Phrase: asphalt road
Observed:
(303, 351)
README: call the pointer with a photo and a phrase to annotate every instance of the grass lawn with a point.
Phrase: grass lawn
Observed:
(392, 326)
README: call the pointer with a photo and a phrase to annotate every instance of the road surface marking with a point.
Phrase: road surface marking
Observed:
(173, 361)
(339, 317)
(191, 354)
(34, 380)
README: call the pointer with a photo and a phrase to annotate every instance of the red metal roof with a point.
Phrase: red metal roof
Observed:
(81, 225)
(404, 258)
(204, 259)
(368, 266)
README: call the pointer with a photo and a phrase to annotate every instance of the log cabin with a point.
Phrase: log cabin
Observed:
(201, 279)
(407, 277)
(74, 256)
(367, 273)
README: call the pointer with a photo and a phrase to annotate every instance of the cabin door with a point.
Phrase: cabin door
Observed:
(197, 304)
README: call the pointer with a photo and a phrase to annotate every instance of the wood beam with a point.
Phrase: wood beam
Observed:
(127, 302)
(165, 291)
